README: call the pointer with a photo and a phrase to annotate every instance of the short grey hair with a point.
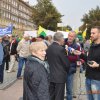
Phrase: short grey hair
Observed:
(73, 33)
(58, 36)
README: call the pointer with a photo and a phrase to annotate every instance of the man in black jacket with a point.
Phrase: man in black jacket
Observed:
(93, 66)
(93, 70)
(6, 48)
(59, 66)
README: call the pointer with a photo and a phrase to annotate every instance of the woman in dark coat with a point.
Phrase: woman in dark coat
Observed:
(36, 85)
(6, 48)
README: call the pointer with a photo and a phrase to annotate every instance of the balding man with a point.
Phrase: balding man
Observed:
(72, 58)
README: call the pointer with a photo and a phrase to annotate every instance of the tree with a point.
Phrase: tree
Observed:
(69, 28)
(46, 15)
(91, 19)
(64, 28)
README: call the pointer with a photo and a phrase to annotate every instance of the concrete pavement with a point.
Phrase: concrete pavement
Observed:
(14, 92)
(12, 89)
(9, 78)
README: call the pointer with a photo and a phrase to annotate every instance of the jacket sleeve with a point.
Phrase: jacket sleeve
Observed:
(64, 59)
(99, 65)
(84, 57)
(1, 54)
(19, 46)
(40, 85)
(72, 57)
(43, 90)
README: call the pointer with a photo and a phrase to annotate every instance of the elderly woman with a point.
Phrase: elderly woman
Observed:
(36, 74)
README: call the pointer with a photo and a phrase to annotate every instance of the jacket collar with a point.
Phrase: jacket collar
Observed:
(44, 63)
(95, 45)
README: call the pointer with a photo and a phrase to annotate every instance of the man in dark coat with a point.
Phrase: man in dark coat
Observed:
(59, 66)
(6, 48)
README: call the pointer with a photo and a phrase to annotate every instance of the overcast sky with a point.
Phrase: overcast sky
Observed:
(73, 10)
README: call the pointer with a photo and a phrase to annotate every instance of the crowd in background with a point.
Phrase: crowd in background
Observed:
(50, 62)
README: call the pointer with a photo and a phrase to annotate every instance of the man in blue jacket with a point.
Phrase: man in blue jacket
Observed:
(73, 65)
(1, 61)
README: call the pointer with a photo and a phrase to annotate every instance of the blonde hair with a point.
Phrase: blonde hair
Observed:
(35, 46)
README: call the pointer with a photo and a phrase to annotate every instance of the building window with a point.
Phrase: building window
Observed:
(9, 7)
(4, 14)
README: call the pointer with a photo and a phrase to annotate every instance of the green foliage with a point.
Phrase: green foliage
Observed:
(64, 28)
(91, 19)
(46, 15)
(69, 28)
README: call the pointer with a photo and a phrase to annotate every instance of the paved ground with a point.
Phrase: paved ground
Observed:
(12, 89)
(9, 78)
(14, 92)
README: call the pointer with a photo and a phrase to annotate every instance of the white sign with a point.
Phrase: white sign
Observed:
(31, 33)
(59, 24)
(64, 33)
(48, 32)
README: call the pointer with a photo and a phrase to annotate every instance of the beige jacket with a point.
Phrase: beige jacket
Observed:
(23, 48)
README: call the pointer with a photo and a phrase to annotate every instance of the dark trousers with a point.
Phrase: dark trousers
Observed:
(1, 72)
(6, 63)
(57, 91)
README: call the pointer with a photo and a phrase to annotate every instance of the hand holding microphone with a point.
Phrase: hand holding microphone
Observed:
(69, 49)
(72, 50)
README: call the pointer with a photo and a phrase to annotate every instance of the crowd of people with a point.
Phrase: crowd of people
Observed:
(51, 63)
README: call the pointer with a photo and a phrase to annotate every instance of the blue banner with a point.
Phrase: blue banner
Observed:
(6, 30)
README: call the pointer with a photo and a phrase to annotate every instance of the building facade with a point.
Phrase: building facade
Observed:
(17, 12)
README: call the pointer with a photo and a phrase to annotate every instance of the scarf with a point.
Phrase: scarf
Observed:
(44, 63)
